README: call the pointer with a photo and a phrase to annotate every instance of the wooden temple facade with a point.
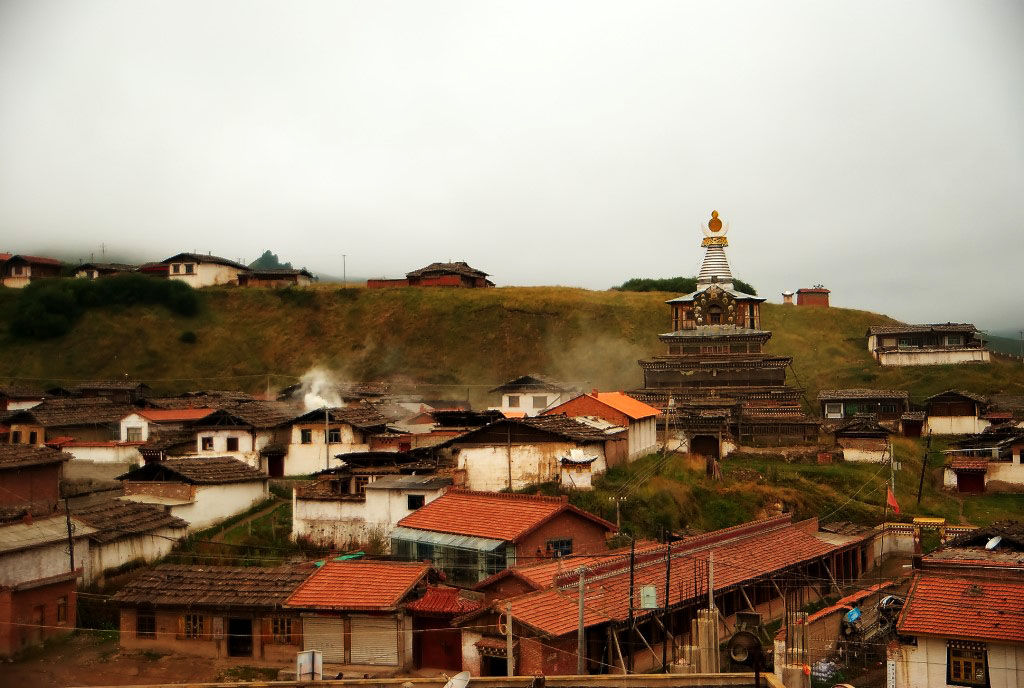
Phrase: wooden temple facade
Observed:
(716, 383)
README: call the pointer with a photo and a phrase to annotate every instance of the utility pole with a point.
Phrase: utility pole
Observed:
(924, 466)
(508, 639)
(711, 579)
(344, 270)
(71, 530)
(580, 633)
(508, 453)
(327, 438)
(632, 580)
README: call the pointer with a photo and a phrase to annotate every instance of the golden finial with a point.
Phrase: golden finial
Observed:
(714, 224)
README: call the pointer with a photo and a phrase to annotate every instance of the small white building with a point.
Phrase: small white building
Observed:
(577, 470)
(956, 412)
(916, 345)
(139, 425)
(340, 510)
(202, 491)
(990, 463)
(530, 395)
(198, 270)
(863, 439)
(528, 451)
(245, 431)
(125, 532)
(315, 438)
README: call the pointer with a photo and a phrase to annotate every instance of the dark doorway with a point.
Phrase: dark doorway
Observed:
(705, 445)
(240, 637)
(275, 466)
(493, 666)
(973, 481)
(436, 645)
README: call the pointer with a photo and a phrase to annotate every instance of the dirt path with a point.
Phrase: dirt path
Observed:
(277, 504)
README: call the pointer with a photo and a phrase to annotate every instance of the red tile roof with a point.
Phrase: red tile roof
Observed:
(496, 515)
(969, 607)
(626, 404)
(172, 415)
(743, 553)
(446, 601)
(967, 463)
(366, 585)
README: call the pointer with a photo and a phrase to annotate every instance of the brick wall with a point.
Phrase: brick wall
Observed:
(587, 405)
(546, 656)
(587, 536)
(35, 486)
(810, 297)
(20, 622)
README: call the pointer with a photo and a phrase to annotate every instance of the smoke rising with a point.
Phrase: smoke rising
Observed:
(319, 388)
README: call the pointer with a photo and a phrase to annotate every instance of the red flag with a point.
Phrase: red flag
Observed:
(890, 499)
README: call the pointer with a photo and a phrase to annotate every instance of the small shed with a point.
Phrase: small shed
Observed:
(863, 439)
(576, 470)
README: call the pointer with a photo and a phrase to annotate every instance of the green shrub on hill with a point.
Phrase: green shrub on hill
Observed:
(50, 308)
(680, 285)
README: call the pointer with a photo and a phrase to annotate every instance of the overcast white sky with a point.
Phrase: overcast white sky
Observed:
(874, 147)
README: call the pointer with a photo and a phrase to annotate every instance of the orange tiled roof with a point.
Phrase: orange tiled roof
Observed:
(358, 585)
(969, 607)
(742, 554)
(496, 515)
(623, 403)
(171, 415)
(541, 575)
(439, 600)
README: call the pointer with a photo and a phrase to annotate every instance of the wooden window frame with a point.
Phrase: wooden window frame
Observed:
(194, 626)
(206, 443)
(145, 633)
(281, 630)
(560, 547)
(62, 609)
(513, 401)
(334, 435)
(305, 436)
(962, 670)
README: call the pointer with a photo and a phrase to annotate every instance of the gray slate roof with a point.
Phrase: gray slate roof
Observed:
(22, 455)
(196, 470)
(173, 585)
(921, 329)
(861, 393)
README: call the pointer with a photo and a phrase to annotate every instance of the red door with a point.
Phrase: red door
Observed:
(973, 481)
(441, 648)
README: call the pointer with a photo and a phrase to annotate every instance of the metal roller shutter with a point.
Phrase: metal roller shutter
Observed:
(374, 640)
(325, 634)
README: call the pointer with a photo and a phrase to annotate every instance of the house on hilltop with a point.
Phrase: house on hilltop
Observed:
(531, 395)
(198, 270)
(472, 535)
(956, 412)
(458, 274)
(887, 405)
(914, 345)
(276, 277)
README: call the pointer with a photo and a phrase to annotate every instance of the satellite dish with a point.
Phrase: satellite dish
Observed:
(460, 680)
(994, 542)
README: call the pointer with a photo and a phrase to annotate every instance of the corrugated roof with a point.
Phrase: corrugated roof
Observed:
(969, 607)
(21, 455)
(861, 393)
(197, 470)
(916, 329)
(117, 519)
(742, 553)
(361, 585)
(173, 585)
(493, 515)
(73, 411)
(42, 531)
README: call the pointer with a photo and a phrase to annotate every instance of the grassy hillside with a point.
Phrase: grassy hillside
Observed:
(456, 342)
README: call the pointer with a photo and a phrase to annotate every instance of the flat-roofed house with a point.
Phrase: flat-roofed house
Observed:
(20, 270)
(472, 535)
(639, 419)
(915, 345)
(213, 611)
(202, 490)
(354, 611)
(198, 270)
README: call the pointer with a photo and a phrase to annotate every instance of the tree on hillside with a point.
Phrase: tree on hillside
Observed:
(681, 285)
(269, 261)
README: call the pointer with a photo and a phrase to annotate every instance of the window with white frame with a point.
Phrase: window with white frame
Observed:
(834, 410)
